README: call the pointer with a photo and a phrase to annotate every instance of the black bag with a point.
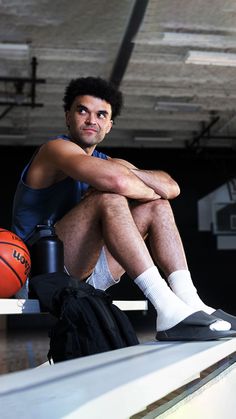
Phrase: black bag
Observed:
(89, 322)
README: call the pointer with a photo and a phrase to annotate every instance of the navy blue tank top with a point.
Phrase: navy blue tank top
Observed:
(36, 206)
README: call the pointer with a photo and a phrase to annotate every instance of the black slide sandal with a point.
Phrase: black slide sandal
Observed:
(194, 328)
(220, 314)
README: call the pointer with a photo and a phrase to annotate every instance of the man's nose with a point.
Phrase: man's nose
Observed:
(91, 119)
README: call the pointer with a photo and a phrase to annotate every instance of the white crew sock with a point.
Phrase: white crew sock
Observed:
(170, 309)
(182, 285)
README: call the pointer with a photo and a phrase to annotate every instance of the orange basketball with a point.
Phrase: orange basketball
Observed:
(15, 263)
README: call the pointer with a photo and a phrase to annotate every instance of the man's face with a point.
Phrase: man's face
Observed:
(89, 120)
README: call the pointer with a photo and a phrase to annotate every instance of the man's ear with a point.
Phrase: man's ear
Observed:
(110, 127)
(67, 118)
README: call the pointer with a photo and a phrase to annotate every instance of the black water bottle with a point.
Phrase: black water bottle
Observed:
(47, 251)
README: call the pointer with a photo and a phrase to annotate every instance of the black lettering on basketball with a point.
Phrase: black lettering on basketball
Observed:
(27, 268)
(14, 237)
(18, 256)
(22, 259)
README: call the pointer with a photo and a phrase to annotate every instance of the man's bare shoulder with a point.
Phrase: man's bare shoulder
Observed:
(47, 165)
(60, 143)
(58, 148)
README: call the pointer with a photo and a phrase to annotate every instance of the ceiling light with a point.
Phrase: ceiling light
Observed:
(181, 39)
(15, 138)
(177, 106)
(9, 50)
(156, 139)
(14, 47)
(211, 58)
(194, 39)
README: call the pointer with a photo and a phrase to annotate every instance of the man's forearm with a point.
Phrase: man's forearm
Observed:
(109, 176)
(161, 182)
(132, 185)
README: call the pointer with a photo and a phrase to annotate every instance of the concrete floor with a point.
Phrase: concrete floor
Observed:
(22, 350)
(22, 347)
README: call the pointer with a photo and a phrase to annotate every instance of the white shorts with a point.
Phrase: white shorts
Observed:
(101, 277)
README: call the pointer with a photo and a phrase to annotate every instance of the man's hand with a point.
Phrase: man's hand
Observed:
(161, 182)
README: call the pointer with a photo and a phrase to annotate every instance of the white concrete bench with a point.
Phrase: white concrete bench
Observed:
(27, 306)
(121, 383)
(10, 306)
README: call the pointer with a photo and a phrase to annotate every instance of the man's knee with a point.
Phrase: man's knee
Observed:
(153, 211)
(109, 198)
(111, 202)
(152, 206)
(98, 202)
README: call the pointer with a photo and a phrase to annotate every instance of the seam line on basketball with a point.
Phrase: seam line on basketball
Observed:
(5, 261)
(16, 245)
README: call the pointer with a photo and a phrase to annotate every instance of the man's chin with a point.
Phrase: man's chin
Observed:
(87, 142)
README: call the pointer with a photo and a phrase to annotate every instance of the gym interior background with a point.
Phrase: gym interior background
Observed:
(198, 173)
(175, 63)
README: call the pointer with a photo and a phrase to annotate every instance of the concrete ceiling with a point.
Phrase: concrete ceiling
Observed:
(140, 45)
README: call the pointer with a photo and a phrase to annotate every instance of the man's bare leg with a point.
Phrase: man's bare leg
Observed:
(156, 220)
(107, 217)
(102, 218)
(168, 252)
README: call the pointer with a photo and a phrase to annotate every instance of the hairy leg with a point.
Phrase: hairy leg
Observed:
(106, 218)
(155, 221)
(167, 250)
(102, 218)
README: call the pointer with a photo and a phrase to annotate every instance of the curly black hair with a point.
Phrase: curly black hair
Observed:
(97, 87)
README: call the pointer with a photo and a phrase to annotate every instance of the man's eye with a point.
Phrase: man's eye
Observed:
(101, 115)
(82, 111)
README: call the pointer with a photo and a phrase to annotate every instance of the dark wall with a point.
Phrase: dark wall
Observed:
(12, 160)
(213, 271)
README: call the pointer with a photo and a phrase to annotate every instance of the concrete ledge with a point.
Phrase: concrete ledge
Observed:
(25, 306)
(115, 384)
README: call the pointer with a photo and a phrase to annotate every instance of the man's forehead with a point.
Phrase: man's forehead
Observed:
(93, 102)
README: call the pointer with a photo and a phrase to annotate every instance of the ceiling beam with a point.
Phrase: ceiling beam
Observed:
(127, 44)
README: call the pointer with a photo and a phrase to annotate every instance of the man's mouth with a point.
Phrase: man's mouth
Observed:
(90, 130)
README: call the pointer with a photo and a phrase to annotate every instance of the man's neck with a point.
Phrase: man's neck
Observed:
(88, 150)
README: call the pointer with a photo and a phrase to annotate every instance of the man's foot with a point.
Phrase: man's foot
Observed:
(198, 326)
(220, 314)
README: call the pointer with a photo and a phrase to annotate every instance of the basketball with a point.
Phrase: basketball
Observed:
(15, 263)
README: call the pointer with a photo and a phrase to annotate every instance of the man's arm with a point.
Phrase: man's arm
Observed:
(161, 182)
(59, 158)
